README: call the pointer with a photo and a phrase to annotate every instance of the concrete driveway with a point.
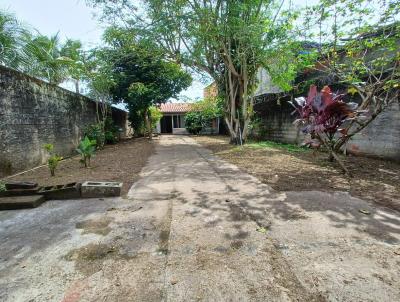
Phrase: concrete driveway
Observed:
(195, 228)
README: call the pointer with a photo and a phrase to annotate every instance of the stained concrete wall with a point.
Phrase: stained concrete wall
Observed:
(379, 139)
(33, 113)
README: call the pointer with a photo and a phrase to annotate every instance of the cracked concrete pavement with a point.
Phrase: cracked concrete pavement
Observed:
(195, 228)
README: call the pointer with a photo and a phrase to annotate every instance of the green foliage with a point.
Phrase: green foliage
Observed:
(13, 37)
(155, 116)
(95, 132)
(2, 186)
(202, 113)
(110, 137)
(40, 56)
(46, 59)
(257, 128)
(275, 145)
(141, 76)
(86, 149)
(53, 160)
(48, 147)
(194, 122)
(359, 48)
(209, 108)
(98, 75)
(75, 61)
(228, 40)
(111, 131)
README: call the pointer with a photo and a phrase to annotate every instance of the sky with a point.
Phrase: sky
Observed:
(75, 20)
(71, 19)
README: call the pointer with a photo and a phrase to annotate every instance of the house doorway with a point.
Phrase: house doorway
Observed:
(166, 124)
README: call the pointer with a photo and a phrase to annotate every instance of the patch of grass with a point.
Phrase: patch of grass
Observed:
(270, 144)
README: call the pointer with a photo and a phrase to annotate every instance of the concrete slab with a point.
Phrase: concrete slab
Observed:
(58, 192)
(11, 185)
(93, 189)
(21, 202)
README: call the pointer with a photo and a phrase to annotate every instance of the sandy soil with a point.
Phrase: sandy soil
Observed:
(121, 162)
(287, 170)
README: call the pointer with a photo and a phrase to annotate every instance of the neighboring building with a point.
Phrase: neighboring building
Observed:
(265, 86)
(173, 120)
(210, 91)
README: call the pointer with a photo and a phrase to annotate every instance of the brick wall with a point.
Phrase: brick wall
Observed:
(33, 113)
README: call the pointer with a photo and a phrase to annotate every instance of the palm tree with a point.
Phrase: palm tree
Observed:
(38, 55)
(73, 53)
(47, 61)
(13, 38)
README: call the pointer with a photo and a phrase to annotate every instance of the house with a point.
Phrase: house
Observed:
(173, 120)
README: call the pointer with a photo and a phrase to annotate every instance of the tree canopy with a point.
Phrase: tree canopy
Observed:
(47, 58)
(228, 40)
(142, 77)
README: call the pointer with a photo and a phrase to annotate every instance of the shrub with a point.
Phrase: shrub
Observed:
(86, 149)
(95, 132)
(202, 113)
(194, 122)
(257, 128)
(321, 116)
(53, 160)
(2, 186)
(110, 137)
(111, 131)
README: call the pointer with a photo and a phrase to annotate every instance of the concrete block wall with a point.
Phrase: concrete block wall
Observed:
(379, 139)
(33, 113)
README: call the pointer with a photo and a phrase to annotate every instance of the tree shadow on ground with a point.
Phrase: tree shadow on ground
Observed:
(250, 199)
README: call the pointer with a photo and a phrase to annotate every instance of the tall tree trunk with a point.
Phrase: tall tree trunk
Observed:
(239, 106)
(77, 86)
(148, 124)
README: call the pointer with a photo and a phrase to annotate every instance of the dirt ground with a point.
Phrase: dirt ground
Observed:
(121, 162)
(194, 227)
(294, 169)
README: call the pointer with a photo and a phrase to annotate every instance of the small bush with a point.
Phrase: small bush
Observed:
(257, 128)
(53, 160)
(2, 186)
(194, 122)
(111, 131)
(202, 113)
(110, 137)
(86, 149)
(95, 132)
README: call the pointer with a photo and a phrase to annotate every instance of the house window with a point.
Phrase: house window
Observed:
(182, 118)
(177, 121)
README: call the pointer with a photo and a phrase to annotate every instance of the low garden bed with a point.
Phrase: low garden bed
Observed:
(121, 162)
(290, 168)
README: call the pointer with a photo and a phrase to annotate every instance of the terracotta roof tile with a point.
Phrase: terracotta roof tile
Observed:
(175, 107)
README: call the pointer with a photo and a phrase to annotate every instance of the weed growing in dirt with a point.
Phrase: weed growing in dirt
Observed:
(53, 160)
(86, 149)
(2, 186)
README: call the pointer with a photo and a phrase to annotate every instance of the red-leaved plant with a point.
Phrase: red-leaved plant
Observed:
(321, 116)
